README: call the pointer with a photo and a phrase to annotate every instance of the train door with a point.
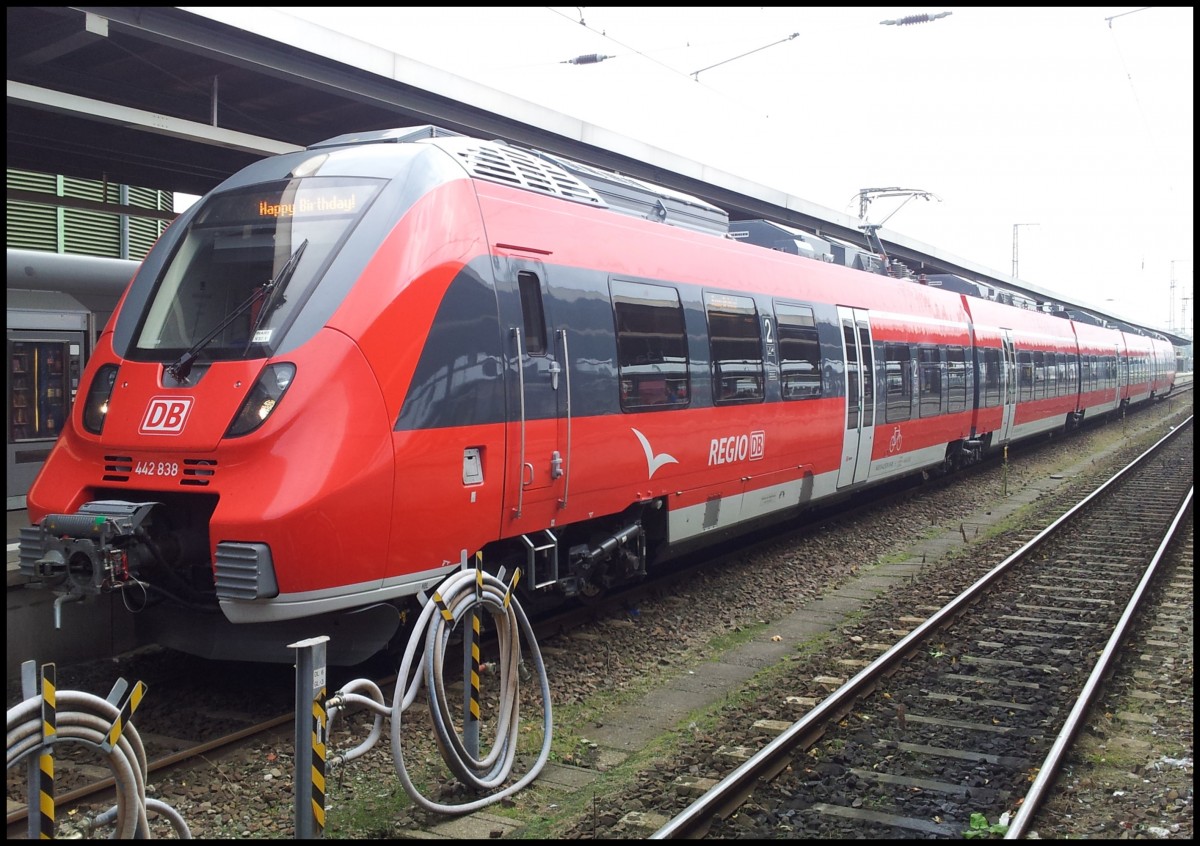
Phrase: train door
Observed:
(539, 401)
(1122, 376)
(859, 436)
(1008, 384)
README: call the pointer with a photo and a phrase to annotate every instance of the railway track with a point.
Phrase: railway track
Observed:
(969, 713)
(1130, 772)
(221, 722)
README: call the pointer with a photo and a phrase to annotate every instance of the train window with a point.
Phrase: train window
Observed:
(799, 351)
(1039, 375)
(898, 366)
(652, 353)
(868, 371)
(989, 372)
(929, 362)
(1051, 370)
(736, 345)
(852, 371)
(531, 310)
(956, 379)
(1024, 376)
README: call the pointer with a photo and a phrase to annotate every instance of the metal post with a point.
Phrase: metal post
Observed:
(471, 665)
(310, 739)
(1015, 225)
(46, 759)
(40, 809)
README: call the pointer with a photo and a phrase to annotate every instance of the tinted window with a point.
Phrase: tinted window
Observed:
(652, 359)
(898, 364)
(736, 345)
(799, 351)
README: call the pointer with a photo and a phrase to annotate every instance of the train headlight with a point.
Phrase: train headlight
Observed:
(263, 399)
(95, 408)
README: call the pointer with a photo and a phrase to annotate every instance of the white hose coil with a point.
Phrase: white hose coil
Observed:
(461, 593)
(86, 718)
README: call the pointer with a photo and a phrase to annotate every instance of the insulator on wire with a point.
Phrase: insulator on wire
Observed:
(916, 19)
(587, 59)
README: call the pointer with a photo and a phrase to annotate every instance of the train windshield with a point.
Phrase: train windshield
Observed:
(247, 263)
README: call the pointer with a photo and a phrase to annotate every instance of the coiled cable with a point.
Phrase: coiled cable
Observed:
(85, 718)
(461, 593)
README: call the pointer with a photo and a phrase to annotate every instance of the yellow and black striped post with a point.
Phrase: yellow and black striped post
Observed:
(124, 714)
(311, 739)
(471, 698)
(45, 792)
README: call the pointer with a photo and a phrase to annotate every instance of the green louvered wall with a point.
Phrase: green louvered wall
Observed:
(37, 226)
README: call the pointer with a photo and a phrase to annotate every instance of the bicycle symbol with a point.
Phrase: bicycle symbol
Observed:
(896, 441)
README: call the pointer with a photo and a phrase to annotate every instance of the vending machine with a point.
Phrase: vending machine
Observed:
(48, 337)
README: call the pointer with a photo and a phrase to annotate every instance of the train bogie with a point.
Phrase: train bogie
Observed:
(351, 370)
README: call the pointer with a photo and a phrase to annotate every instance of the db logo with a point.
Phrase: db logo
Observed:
(165, 415)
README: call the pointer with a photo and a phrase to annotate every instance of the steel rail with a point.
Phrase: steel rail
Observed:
(1049, 770)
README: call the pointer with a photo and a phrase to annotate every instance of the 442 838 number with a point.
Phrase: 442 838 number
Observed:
(156, 468)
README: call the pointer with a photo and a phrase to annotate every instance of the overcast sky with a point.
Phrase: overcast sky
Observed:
(1061, 118)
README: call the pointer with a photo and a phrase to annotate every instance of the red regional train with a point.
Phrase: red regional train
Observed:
(351, 370)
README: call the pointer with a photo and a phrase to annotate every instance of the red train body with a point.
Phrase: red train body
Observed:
(347, 371)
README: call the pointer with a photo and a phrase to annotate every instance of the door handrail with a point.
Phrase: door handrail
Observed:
(516, 330)
(566, 364)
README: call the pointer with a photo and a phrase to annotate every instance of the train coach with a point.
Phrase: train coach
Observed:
(350, 370)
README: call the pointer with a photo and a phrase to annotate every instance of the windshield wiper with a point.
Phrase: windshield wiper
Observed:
(181, 368)
(274, 293)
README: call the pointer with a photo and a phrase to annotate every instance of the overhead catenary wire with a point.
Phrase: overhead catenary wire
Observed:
(696, 74)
